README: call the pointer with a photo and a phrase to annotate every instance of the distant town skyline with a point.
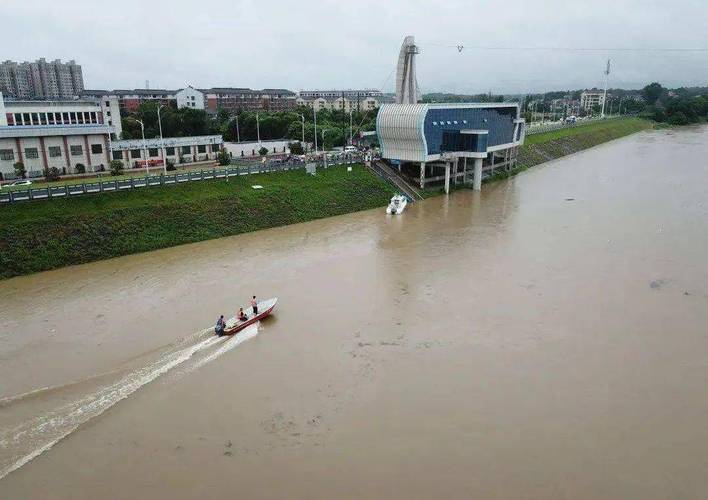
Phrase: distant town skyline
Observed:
(511, 50)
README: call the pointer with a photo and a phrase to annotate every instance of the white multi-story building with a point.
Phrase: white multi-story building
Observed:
(591, 98)
(189, 97)
(61, 134)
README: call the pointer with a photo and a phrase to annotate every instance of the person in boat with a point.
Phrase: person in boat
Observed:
(220, 325)
(254, 305)
(242, 316)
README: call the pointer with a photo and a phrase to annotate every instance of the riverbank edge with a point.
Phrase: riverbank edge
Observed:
(45, 235)
(540, 152)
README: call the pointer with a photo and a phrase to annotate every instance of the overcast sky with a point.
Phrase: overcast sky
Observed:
(335, 44)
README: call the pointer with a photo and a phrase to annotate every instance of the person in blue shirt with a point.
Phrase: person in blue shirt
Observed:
(220, 325)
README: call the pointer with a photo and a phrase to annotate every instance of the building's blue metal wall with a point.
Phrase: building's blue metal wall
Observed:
(498, 121)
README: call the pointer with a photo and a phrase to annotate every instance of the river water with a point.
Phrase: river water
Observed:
(546, 338)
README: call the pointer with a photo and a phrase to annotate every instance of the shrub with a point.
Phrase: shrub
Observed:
(678, 118)
(296, 148)
(170, 166)
(263, 151)
(116, 167)
(20, 169)
(223, 158)
(51, 174)
(80, 168)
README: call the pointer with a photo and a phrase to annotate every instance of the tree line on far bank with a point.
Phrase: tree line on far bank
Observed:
(680, 106)
(245, 125)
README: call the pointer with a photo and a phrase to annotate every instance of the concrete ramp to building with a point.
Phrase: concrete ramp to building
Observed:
(392, 176)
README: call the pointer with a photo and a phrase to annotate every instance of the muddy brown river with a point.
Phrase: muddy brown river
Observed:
(545, 339)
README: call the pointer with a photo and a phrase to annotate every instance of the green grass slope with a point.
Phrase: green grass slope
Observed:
(41, 235)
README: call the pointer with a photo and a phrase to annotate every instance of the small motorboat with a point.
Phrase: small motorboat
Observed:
(265, 307)
(397, 205)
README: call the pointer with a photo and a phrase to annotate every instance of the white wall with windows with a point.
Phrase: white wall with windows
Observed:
(190, 97)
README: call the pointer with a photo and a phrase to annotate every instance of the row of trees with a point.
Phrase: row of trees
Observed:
(677, 107)
(246, 126)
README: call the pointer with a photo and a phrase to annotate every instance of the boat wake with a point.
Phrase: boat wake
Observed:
(33, 436)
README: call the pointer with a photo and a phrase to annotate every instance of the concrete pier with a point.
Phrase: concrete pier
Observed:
(477, 182)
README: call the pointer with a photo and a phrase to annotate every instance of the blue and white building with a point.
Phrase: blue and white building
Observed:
(446, 135)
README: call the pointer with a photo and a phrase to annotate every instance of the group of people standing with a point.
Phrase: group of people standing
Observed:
(240, 316)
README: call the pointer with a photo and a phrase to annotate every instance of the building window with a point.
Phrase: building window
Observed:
(54, 151)
(153, 152)
(201, 148)
(43, 118)
(26, 117)
(31, 153)
(96, 149)
(7, 154)
(170, 151)
(135, 153)
(186, 150)
(117, 155)
(76, 150)
(18, 119)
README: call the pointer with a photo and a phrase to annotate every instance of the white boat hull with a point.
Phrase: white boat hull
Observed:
(397, 205)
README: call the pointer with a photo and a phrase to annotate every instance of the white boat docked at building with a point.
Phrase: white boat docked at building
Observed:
(397, 205)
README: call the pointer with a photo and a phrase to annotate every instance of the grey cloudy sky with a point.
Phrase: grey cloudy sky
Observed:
(331, 43)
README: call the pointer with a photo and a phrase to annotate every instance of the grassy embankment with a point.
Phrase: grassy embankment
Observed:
(540, 148)
(41, 235)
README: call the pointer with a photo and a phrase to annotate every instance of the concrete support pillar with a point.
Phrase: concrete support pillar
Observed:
(448, 164)
(477, 186)
(422, 175)
(464, 170)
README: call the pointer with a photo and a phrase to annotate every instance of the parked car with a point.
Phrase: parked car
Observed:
(350, 149)
(21, 182)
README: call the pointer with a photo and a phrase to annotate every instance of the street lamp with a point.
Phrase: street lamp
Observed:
(351, 135)
(324, 150)
(258, 129)
(238, 136)
(303, 130)
(314, 108)
(162, 141)
(142, 127)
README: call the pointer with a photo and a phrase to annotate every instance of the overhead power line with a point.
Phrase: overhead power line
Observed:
(460, 47)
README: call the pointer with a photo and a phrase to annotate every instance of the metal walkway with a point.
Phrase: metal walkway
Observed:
(391, 175)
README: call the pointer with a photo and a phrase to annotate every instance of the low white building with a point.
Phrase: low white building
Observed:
(189, 97)
(60, 134)
(362, 103)
(134, 152)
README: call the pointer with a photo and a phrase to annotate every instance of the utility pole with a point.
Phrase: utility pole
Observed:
(238, 136)
(604, 97)
(162, 141)
(303, 131)
(258, 129)
(351, 130)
